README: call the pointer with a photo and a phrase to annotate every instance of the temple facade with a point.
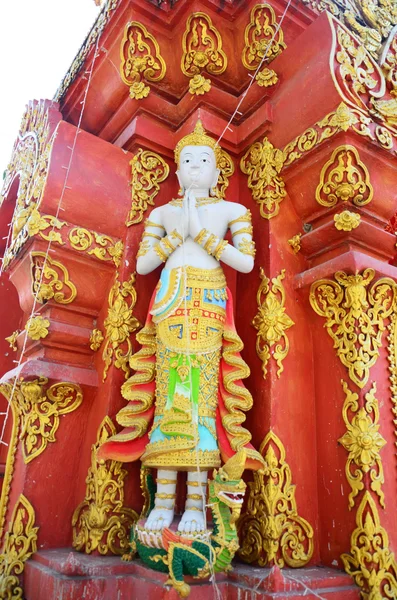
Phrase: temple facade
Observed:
(301, 99)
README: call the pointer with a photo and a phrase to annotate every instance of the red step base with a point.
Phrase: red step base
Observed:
(68, 575)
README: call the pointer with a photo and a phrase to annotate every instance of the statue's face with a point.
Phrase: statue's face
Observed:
(197, 168)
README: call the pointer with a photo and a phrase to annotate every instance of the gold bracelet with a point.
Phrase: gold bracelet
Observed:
(200, 236)
(160, 253)
(164, 496)
(177, 235)
(166, 245)
(151, 224)
(166, 481)
(152, 235)
(208, 244)
(194, 496)
(219, 249)
(243, 230)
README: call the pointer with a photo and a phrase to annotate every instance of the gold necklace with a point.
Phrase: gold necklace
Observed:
(199, 201)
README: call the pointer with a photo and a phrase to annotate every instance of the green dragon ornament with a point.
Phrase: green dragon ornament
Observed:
(202, 554)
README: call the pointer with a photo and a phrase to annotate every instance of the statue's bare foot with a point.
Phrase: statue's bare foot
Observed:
(159, 518)
(192, 522)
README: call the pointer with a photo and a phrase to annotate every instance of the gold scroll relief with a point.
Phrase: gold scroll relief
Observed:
(271, 322)
(363, 442)
(262, 163)
(271, 530)
(344, 178)
(119, 324)
(141, 60)
(262, 39)
(20, 542)
(371, 563)
(355, 314)
(102, 522)
(51, 280)
(392, 357)
(226, 167)
(148, 170)
(202, 52)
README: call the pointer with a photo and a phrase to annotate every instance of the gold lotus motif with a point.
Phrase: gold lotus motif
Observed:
(347, 221)
(37, 328)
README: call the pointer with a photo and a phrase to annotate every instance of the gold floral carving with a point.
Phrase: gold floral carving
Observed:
(347, 221)
(37, 328)
(262, 38)
(141, 61)
(202, 52)
(99, 245)
(51, 280)
(342, 119)
(226, 167)
(295, 243)
(355, 313)
(39, 410)
(119, 324)
(88, 45)
(262, 163)
(20, 542)
(148, 170)
(389, 64)
(371, 562)
(12, 339)
(101, 522)
(392, 357)
(345, 178)
(271, 322)
(271, 530)
(96, 339)
(363, 442)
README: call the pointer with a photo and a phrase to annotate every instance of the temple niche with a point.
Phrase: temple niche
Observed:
(198, 386)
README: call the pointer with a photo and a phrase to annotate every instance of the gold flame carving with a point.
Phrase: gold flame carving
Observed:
(226, 167)
(271, 530)
(20, 542)
(344, 178)
(141, 61)
(262, 38)
(355, 313)
(371, 562)
(262, 163)
(119, 324)
(363, 442)
(102, 522)
(51, 280)
(271, 322)
(202, 52)
(148, 170)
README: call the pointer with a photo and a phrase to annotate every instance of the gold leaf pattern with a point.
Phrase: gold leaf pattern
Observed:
(101, 522)
(96, 339)
(141, 61)
(20, 542)
(51, 280)
(148, 170)
(355, 314)
(345, 178)
(99, 245)
(363, 442)
(271, 530)
(271, 322)
(262, 163)
(37, 328)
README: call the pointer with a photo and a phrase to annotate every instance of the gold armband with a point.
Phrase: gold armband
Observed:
(165, 247)
(160, 253)
(144, 248)
(245, 218)
(151, 224)
(247, 247)
(152, 235)
(248, 229)
(200, 236)
(177, 235)
(209, 243)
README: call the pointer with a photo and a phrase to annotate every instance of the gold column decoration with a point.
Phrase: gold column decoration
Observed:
(20, 542)
(295, 243)
(344, 177)
(119, 324)
(226, 166)
(37, 328)
(202, 52)
(96, 339)
(355, 313)
(141, 60)
(363, 442)
(97, 244)
(39, 411)
(347, 221)
(148, 170)
(262, 163)
(51, 280)
(261, 36)
(271, 530)
(271, 322)
(101, 522)
(371, 562)
(392, 357)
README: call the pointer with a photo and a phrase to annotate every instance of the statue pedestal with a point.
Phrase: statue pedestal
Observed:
(72, 576)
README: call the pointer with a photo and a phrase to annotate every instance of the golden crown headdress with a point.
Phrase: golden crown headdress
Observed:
(199, 137)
